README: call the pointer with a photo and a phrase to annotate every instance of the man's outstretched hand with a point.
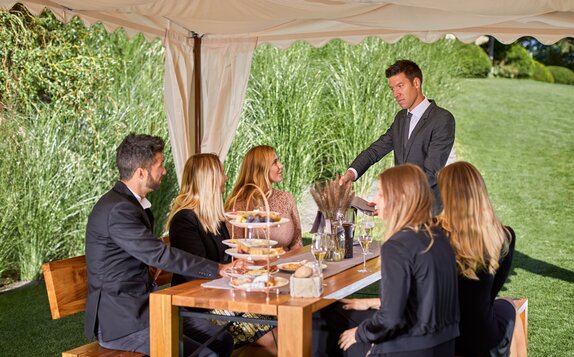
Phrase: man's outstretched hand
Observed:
(347, 178)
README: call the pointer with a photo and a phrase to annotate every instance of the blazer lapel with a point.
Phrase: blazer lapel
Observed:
(422, 122)
(124, 190)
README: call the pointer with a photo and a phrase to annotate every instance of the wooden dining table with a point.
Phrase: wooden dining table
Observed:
(294, 315)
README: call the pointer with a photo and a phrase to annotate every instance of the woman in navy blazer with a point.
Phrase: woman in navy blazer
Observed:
(417, 312)
(196, 222)
(197, 225)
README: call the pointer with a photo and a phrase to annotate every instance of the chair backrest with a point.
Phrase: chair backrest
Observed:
(67, 285)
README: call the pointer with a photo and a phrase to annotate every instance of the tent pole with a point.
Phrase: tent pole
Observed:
(197, 90)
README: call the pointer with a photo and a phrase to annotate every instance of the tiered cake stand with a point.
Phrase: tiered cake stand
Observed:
(252, 282)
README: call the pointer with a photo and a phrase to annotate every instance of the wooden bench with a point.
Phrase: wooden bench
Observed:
(67, 286)
(521, 306)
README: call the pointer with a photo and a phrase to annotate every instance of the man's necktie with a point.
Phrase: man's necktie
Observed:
(407, 128)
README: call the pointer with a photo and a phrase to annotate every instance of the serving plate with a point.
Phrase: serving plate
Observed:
(236, 223)
(250, 272)
(250, 242)
(290, 267)
(233, 252)
(247, 284)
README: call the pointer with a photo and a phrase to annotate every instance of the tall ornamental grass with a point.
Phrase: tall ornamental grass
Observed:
(72, 94)
(320, 107)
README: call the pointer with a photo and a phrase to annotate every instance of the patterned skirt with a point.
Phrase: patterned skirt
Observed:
(245, 332)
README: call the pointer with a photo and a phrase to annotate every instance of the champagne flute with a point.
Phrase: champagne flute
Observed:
(364, 240)
(319, 247)
(368, 225)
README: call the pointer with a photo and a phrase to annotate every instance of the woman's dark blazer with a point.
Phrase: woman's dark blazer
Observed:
(187, 234)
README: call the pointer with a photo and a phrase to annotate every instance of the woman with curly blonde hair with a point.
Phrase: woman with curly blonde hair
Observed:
(261, 167)
(483, 249)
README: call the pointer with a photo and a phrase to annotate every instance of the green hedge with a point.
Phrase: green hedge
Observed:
(542, 73)
(70, 94)
(562, 75)
(473, 62)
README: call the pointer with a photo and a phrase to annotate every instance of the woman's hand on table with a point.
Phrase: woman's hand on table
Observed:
(361, 304)
(347, 339)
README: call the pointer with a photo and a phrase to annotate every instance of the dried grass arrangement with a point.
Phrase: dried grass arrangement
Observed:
(332, 198)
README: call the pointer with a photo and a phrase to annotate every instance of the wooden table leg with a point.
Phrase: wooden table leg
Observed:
(163, 326)
(295, 331)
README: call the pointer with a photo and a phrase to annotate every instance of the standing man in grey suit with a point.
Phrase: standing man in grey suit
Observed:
(422, 132)
(120, 245)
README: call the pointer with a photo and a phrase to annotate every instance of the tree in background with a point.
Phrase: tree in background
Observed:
(528, 58)
(560, 53)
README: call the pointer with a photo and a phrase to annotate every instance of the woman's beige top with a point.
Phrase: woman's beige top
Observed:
(289, 234)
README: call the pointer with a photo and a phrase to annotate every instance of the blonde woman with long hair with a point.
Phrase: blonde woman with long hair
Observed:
(417, 311)
(262, 167)
(483, 248)
(196, 225)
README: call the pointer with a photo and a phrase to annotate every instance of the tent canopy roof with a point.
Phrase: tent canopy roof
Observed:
(281, 22)
(204, 99)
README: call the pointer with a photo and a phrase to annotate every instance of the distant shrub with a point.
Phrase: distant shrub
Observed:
(516, 64)
(506, 71)
(561, 75)
(473, 62)
(519, 58)
(541, 73)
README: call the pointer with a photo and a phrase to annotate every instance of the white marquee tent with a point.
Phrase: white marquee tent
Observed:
(203, 115)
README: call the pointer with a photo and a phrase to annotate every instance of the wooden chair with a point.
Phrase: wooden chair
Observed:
(67, 286)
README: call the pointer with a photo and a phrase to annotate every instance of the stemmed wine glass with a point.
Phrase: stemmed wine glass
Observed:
(364, 240)
(368, 225)
(319, 244)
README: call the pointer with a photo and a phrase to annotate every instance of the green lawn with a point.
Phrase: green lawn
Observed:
(519, 134)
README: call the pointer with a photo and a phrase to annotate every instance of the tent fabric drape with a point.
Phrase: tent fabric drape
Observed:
(178, 97)
(226, 66)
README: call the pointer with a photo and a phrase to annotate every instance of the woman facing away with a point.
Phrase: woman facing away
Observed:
(261, 167)
(196, 224)
(417, 312)
(483, 249)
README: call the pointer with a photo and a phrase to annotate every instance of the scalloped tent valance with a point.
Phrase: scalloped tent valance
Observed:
(231, 29)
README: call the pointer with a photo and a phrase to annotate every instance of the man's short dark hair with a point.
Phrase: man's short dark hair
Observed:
(135, 151)
(409, 68)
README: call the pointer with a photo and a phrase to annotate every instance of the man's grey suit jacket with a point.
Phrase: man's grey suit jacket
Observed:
(428, 146)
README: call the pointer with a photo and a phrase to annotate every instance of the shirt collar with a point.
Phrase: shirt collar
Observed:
(144, 202)
(420, 109)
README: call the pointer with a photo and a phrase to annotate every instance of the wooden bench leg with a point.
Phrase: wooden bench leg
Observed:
(520, 336)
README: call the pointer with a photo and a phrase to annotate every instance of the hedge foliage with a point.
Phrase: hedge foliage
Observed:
(541, 73)
(70, 94)
(473, 62)
(562, 75)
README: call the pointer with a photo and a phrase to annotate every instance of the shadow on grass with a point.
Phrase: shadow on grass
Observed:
(540, 267)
